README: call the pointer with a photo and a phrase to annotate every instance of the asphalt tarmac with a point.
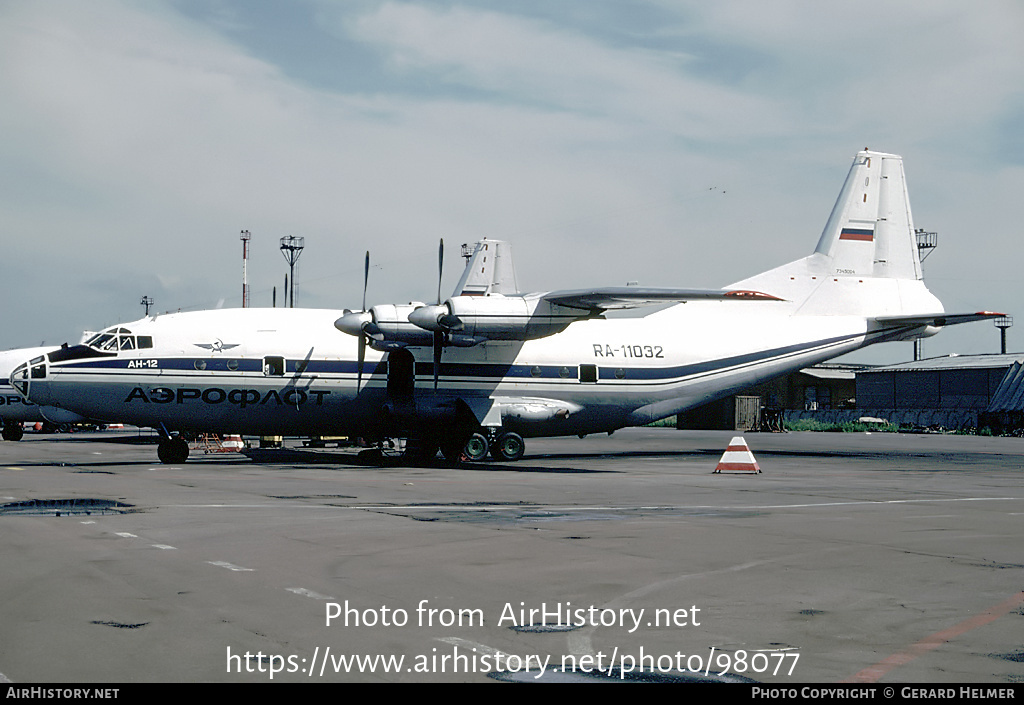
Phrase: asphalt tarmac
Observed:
(865, 558)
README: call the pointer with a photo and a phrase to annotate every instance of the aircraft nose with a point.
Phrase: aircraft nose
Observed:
(19, 379)
(26, 378)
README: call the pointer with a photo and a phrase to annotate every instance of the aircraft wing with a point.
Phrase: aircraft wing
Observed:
(596, 300)
(940, 319)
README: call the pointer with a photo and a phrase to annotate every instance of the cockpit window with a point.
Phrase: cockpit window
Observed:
(101, 341)
(114, 339)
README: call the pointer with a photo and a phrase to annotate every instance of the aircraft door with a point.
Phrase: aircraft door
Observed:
(401, 374)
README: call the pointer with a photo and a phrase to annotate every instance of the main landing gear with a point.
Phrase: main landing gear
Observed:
(508, 447)
(504, 446)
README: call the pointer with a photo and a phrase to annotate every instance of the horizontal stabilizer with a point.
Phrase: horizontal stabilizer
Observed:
(940, 319)
(633, 297)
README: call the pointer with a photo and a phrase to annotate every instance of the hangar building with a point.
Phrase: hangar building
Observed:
(952, 392)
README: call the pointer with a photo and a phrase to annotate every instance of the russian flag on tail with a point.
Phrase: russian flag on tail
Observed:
(738, 458)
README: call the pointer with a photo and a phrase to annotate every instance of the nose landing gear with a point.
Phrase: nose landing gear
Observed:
(172, 450)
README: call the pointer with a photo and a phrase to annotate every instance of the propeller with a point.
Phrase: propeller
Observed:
(440, 320)
(438, 334)
(362, 338)
(360, 323)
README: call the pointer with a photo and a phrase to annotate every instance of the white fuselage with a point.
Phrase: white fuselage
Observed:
(221, 371)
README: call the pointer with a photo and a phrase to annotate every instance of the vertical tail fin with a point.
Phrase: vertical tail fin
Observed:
(871, 230)
(866, 262)
(489, 270)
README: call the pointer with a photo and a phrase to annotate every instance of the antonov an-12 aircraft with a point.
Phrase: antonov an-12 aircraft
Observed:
(489, 367)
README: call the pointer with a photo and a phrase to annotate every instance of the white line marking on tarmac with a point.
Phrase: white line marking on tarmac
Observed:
(309, 593)
(230, 566)
(125, 535)
(163, 546)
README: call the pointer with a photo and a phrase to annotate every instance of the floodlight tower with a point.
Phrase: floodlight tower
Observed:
(1002, 324)
(291, 248)
(147, 302)
(926, 242)
(245, 236)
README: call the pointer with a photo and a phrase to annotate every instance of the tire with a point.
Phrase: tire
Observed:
(475, 448)
(13, 431)
(173, 452)
(509, 447)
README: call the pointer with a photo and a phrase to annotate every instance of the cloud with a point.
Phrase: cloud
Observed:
(525, 61)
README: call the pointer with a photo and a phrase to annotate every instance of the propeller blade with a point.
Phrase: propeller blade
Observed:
(366, 277)
(373, 331)
(440, 269)
(450, 322)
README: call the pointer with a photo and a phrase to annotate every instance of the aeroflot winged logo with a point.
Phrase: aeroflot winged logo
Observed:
(217, 345)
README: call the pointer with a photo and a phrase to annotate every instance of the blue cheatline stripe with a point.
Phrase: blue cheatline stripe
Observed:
(493, 372)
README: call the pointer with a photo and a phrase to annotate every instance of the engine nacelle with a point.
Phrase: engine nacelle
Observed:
(392, 322)
(386, 325)
(496, 317)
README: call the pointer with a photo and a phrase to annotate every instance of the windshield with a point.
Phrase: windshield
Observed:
(114, 339)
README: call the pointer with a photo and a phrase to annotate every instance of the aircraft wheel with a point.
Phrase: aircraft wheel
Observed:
(509, 447)
(13, 431)
(475, 448)
(173, 451)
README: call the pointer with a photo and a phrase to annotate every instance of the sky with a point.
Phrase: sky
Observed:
(667, 142)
